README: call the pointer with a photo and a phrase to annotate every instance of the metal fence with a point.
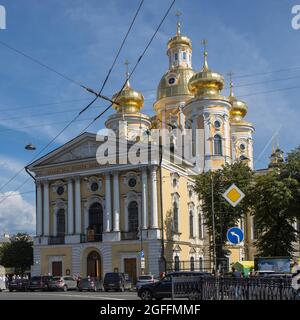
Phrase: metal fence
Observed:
(223, 288)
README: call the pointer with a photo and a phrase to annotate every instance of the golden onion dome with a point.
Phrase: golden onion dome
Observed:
(206, 82)
(178, 39)
(128, 100)
(239, 108)
(175, 82)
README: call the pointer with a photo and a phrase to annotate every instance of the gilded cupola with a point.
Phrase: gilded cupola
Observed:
(175, 81)
(239, 107)
(206, 83)
(128, 100)
(128, 122)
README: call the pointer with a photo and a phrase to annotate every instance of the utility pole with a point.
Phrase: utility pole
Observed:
(213, 224)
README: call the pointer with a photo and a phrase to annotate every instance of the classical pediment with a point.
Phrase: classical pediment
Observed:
(80, 148)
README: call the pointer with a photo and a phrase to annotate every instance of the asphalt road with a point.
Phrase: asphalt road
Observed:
(70, 295)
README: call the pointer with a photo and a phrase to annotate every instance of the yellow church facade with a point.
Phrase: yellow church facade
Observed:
(93, 218)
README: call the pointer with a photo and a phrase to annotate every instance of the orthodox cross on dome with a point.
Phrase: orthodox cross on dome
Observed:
(127, 63)
(178, 14)
(205, 65)
(230, 74)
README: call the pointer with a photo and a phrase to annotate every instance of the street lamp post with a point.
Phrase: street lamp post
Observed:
(213, 224)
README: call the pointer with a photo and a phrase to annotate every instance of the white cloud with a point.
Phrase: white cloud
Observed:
(10, 164)
(16, 214)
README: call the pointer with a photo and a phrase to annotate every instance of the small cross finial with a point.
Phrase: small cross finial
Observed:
(230, 74)
(204, 43)
(178, 14)
(127, 68)
(205, 65)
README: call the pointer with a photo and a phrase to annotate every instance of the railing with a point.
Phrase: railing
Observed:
(188, 266)
(222, 288)
(90, 236)
(56, 240)
(131, 235)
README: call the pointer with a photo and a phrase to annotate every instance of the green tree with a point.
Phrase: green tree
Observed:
(272, 199)
(291, 168)
(226, 216)
(18, 253)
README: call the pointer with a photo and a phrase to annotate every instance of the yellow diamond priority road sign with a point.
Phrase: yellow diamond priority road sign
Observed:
(233, 195)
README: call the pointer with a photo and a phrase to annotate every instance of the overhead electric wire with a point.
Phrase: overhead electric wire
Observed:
(42, 64)
(42, 104)
(98, 95)
(269, 91)
(66, 77)
(136, 64)
(266, 72)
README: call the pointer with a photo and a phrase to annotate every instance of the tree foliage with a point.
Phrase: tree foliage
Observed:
(18, 253)
(226, 216)
(272, 199)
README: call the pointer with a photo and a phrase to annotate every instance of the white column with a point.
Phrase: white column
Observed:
(144, 222)
(39, 209)
(208, 152)
(46, 208)
(126, 215)
(77, 206)
(154, 212)
(116, 202)
(107, 222)
(70, 222)
(227, 142)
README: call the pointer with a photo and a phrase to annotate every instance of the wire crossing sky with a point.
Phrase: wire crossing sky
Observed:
(80, 42)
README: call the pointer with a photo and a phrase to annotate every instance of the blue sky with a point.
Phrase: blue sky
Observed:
(80, 38)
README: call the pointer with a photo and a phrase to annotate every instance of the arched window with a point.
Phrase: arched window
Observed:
(191, 224)
(133, 217)
(175, 216)
(96, 220)
(184, 55)
(192, 264)
(201, 266)
(201, 225)
(61, 223)
(217, 145)
(177, 263)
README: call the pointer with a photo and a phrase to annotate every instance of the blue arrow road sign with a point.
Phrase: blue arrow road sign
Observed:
(142, 254)
(235, 235)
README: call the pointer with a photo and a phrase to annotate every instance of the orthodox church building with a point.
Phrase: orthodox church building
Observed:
(95, 218)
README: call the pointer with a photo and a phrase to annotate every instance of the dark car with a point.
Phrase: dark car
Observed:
(163, 288)
(114, 281)
(39, 283)
(18, 285)
(90, 284)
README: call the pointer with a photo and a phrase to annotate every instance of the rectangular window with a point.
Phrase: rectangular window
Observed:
(184, 55)
(176, 56)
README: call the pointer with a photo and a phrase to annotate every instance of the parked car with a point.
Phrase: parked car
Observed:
(39, 283)
(64, 283)
(114, 281)
(18, 285)
(149, 278)
(90, 284)
(163, 288)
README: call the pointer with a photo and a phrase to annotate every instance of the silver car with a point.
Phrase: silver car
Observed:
(64, 283)
(149, 278)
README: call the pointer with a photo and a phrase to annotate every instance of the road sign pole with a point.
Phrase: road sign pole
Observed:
(213, 224)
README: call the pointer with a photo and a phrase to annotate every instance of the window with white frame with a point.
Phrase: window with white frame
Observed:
(191, 219)
(218, 145)
(200, 224)
(61, 222)
(133, 217)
